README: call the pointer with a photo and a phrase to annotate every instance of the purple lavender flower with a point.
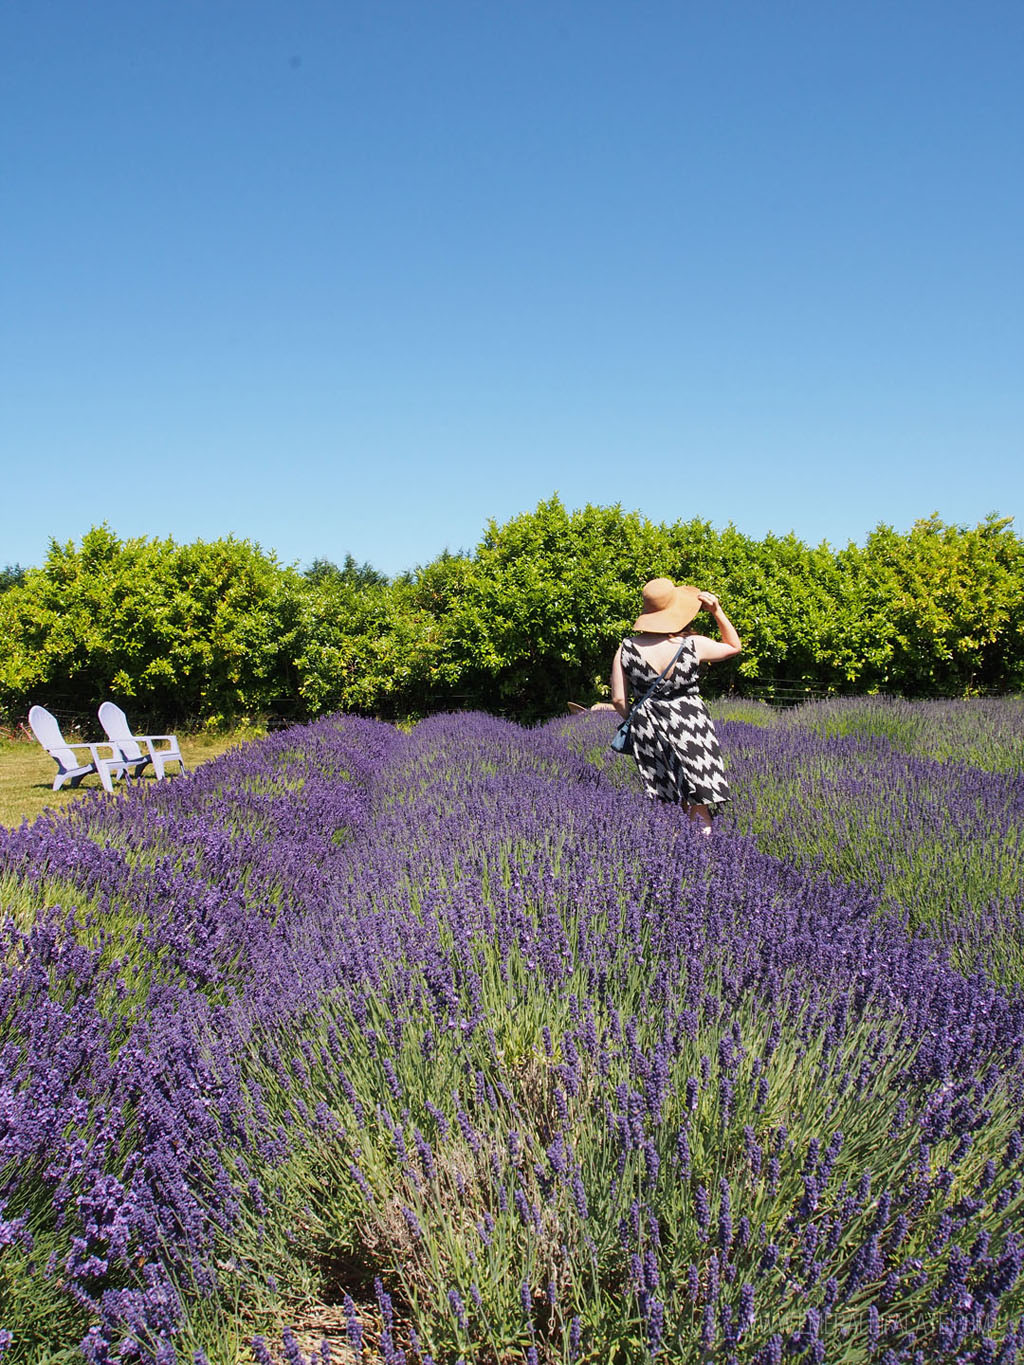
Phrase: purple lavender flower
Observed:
(702, 1211)
(556, 1155)
(458, 1308)
(353, 1327)
(579, 1195)
(652, 1163)
(746, 1313)
(724, 1215)
(132, 1104)
(260, 1352)
(655, 1322)
(683, 1154)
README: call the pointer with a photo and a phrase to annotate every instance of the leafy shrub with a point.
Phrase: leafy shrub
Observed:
(201, 630)
(525, 622)
(12, 576)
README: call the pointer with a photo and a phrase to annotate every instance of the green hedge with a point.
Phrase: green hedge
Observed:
(216, 630)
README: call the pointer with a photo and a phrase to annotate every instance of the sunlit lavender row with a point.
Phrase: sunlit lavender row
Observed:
(982, 732)
(456, 1033)
(854, 786)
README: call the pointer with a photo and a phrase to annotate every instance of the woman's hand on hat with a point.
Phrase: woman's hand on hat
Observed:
(708, 601)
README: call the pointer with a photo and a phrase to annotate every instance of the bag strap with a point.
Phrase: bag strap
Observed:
(660, 678)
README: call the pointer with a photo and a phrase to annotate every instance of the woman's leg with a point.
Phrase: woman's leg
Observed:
(700, 815)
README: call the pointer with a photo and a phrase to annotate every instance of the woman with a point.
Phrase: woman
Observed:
(674, 739)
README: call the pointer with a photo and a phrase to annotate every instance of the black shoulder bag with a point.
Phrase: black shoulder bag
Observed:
(622, 740)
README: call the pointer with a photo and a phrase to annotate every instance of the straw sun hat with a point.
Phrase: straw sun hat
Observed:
(666, 607)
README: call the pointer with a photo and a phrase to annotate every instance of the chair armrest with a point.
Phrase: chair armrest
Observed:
(55, 750)
(91, 749)
(115, 752)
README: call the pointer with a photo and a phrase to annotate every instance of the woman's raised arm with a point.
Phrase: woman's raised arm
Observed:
(713, 651)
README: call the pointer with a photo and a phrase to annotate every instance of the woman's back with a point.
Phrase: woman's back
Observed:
(644, 667)
(657, 651)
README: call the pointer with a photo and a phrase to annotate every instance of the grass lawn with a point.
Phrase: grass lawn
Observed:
(27, 773)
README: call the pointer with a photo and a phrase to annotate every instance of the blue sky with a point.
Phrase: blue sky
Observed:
(355, 276)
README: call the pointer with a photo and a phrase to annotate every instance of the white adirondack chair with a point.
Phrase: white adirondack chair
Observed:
(130, 747)
(71, 767)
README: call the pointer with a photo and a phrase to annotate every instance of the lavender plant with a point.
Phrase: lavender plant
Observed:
(458, 1031)
(829, 785)
(983, 732)
(941, 843)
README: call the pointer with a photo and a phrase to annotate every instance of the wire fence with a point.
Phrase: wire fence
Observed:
(775, 692)
(81, 720)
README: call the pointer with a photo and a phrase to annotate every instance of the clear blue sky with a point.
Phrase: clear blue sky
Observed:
(357, 275)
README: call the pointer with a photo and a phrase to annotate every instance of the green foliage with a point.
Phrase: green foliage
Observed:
(527, 621)
(534, 617)
(12, 576)
(953, 600)
(355, 575)
(363, 648)
(201, 630)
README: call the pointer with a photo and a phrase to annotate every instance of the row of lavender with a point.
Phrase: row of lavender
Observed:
(454, 1029)
(856, 786)
(921, 801)
(982, 732)
(941, 842)
(145, 941)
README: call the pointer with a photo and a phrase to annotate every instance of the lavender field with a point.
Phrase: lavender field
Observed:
(451, 1045)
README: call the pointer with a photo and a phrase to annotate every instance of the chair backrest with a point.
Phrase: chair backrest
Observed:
(117, 730)
(47, 731)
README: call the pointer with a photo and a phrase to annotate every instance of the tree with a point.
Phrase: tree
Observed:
(12, 576)
(205, 630)
(955, 604)
(533, 617)
(522, 624)
(352, 574)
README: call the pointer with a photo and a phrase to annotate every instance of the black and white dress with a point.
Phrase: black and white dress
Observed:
(674, 739)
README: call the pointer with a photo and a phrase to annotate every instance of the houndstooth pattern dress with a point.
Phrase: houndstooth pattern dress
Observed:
(674, 741)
